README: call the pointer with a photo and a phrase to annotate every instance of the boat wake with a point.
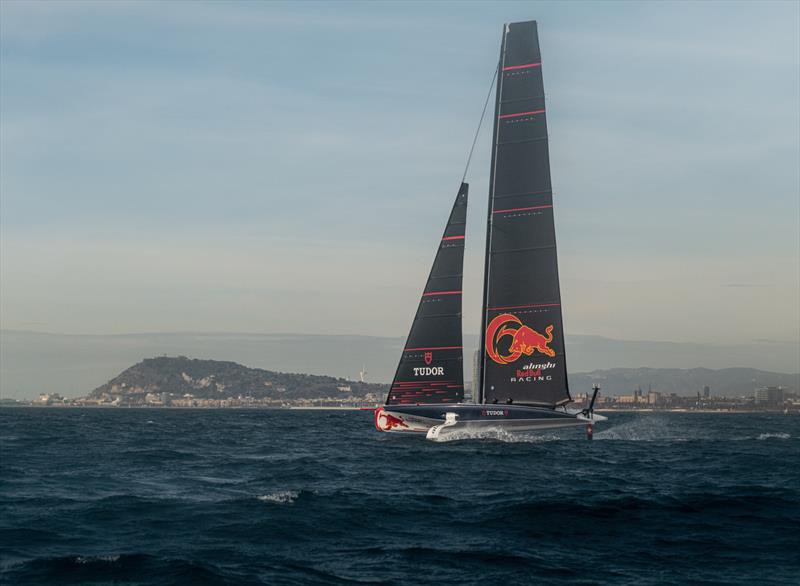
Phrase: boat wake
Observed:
(497, 434)
(639, 430)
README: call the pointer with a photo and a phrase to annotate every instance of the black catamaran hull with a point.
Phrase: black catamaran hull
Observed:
(423, 418)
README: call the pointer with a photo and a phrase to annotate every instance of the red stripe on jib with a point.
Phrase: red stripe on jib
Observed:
(524, 66)
(452, 238)
(531, 113)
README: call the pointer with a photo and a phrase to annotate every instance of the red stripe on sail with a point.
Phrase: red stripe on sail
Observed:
(522, 209)
(441, 293)
(452, 238)
(434, 348)
(524, 66)
(532, 112)
(523, 306)
(414, 382)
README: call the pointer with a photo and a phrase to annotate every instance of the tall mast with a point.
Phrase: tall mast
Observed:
(481, 396)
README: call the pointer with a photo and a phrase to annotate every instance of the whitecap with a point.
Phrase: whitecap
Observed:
(763, 436)
(281, 497)
(96, 558)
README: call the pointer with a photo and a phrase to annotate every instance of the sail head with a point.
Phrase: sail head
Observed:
(431, 366)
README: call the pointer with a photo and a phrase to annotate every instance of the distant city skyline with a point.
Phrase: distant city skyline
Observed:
(277, 167)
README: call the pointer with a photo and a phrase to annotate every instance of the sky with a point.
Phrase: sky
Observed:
(289, 167)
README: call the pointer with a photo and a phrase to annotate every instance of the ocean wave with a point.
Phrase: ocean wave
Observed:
(541, 515)
(281, 497)
(150, 455)
(236, 497)
(641, 429)
(130, 568)
(96, 558)
(779, 435)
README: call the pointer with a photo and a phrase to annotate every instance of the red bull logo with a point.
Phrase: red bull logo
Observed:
(524, 340)
(386, 422)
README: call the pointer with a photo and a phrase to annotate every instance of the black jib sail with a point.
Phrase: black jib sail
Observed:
(522, 336)
(431, 367)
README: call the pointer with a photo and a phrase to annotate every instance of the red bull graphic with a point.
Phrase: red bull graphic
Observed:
(386, 422)
(524, 340)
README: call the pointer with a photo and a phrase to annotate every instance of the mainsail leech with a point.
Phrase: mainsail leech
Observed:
(431, 366)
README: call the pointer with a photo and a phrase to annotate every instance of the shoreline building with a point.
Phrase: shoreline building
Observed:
(769, 396)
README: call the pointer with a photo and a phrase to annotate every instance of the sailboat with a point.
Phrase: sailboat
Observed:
(522, 384)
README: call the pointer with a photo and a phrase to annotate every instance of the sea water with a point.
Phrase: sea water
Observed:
(160, 496)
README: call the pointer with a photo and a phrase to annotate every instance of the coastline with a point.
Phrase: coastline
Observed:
(794, 411)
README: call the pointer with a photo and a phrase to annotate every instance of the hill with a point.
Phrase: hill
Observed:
(215, 379)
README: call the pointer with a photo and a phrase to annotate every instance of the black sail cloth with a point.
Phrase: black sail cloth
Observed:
(522, 334)
(431, 367)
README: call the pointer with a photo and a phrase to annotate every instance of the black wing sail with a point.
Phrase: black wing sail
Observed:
(431, 367)
(522, 336)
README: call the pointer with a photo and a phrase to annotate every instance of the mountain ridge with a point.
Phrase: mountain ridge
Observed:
(222, 379)
(732, 381)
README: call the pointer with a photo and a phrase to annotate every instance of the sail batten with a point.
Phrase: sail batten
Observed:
(522, 335)
(431, 365)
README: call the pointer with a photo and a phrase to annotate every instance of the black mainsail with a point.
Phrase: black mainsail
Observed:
(522, 335)
(431, 366)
